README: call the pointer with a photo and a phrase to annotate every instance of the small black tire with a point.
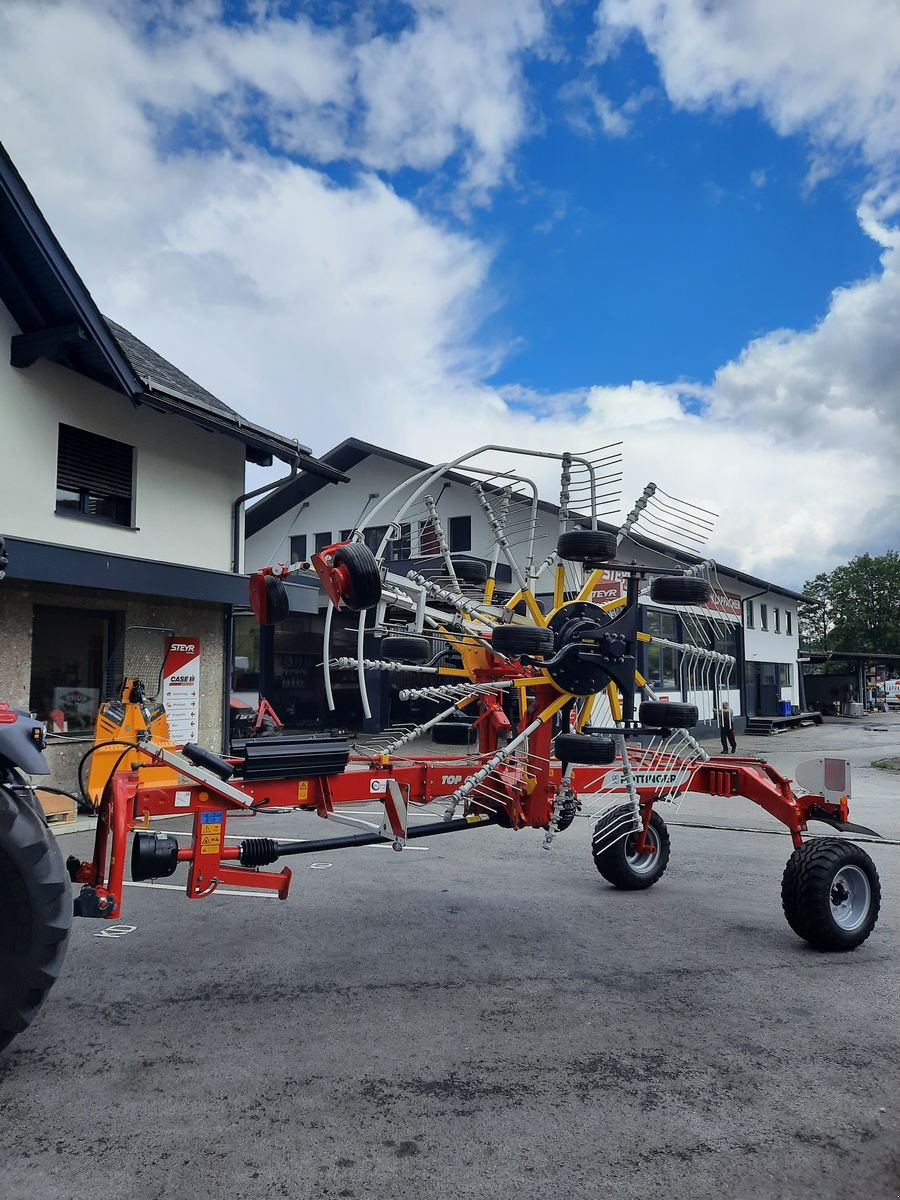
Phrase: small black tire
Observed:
(584, 748)
(513, 640)
(35, 912)
(406, 648)
(656, 714)
(680, 589)
(587, 545)
(831, 894)
(470, 571)
(621, 866)
(362, 571)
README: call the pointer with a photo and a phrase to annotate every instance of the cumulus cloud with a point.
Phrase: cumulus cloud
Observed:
(326, 309)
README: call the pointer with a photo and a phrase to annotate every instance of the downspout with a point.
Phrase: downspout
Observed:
(236, 524)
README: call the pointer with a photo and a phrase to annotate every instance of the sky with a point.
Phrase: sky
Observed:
(559, 223)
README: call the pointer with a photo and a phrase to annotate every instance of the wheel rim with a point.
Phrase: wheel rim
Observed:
(850, 897)
(642, 862)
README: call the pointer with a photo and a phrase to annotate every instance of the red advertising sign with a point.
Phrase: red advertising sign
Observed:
(725, 604)
(181, 688)
(610, 586)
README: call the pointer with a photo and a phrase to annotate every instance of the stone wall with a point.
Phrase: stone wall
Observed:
(183, 617)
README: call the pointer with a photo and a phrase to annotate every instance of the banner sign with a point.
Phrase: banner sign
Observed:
(181, 688)
(610, 586)
(725, 604)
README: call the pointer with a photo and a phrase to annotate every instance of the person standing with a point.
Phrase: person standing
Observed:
(726, 728)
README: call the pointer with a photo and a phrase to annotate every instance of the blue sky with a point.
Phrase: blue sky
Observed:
(437, 223)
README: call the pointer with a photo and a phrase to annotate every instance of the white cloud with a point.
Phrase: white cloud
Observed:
(831, 71)
(325, 310)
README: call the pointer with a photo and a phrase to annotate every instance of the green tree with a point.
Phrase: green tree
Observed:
(859, 606)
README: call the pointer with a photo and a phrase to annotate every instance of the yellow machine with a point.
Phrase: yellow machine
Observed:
(130, 718)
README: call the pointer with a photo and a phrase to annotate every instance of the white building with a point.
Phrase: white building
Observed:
(118, 493)
(756, 620)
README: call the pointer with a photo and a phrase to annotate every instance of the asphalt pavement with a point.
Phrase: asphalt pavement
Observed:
(475, 1017)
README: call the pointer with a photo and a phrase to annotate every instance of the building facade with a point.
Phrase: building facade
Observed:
(753, 620)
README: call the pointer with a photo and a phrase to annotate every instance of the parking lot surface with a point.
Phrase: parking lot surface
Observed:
(476, 1017)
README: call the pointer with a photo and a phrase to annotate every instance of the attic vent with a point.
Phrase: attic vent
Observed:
(94, 476)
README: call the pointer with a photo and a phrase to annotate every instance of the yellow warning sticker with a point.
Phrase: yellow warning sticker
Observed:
(210, 839)
(303, 789)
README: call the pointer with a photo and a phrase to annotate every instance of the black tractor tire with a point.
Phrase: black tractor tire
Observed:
(680, 589)
(403, 647)
(620, 866)
(365, 578)
(470, 571)
(513, 640)
(831, 893)
(584, 748)
(656, 714)
(35, 911)
(586, 546)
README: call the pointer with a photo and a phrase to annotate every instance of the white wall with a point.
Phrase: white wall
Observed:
(186, 479)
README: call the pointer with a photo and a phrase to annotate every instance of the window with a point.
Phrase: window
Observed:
(298, 548)
(460, 529)
(401, 545)
(323, 540)
(345, 535)
(245, 677)
(428, 539)
(662, 661)
(374, 536)
(776, 612)
(788, 623)
(70, 648)
(785, 674)
(764, 616)
(94, 477)
(748, 613)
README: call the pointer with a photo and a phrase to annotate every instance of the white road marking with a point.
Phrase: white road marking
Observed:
(388, 846)
(174, 887)
(229, 837)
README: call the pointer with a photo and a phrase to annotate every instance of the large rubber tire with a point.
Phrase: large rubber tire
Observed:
(365, 578)
(513, 640)
(680, 589)
(35, 912)
(656, 714)
(586, 545)
(403, 647)
(831, 894)
(584, 748)
(620, 866)
(470, 571)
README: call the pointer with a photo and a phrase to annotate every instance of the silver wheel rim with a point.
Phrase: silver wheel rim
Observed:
(850, 897)
(643, 862)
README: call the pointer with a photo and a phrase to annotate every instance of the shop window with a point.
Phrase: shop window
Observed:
(764, 616)
(298, 548)
(374, 536)
(94, 477)
(400, 547)
(460, 531)
(245, 664)
(662, 661)
(70, 649)
(748, 614)
(776, 613)
(323, 540)
(788, 623)
(786, 674)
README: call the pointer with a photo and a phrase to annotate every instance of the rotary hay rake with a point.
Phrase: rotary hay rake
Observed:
(546, 677)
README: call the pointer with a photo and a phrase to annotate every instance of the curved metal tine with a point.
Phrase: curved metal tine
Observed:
(326, 656)
(361, 670)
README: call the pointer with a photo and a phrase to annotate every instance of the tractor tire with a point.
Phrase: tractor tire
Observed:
(622, 867)
(587, 545)
(656, 714)
(513, 640)
(406, 648)
(365, 578)
(831, 894)
(680, 589)
(585, 749)
(35, 912)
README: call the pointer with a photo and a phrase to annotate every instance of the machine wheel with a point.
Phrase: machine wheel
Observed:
(680, 589)
(35, 913)
(656, 714)
(513, 640)
(362, 570)
(831, 894)
(622, 866)
(587, 545)
(469, 570)
(406, 648)
(585, 749)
